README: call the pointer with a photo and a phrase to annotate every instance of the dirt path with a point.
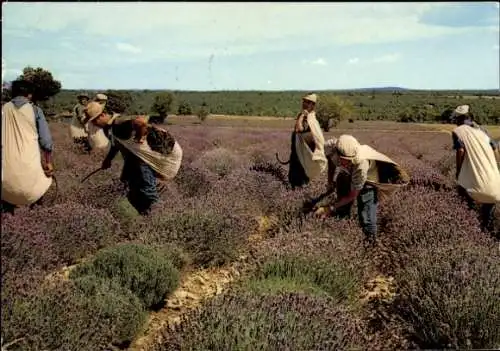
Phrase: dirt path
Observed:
(194, 288)
(378, 288)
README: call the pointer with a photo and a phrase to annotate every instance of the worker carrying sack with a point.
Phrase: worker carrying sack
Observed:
(313, 162)
(23, 179)
(479, 174)
(390, 175)
(96, 137)
(160, 151)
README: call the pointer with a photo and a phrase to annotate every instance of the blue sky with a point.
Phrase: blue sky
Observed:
(255, 46)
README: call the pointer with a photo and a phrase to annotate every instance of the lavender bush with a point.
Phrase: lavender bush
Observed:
(147, 272)
(230, 201)
(309, 275)
(257, 322)
(449, 298)
(87, 314)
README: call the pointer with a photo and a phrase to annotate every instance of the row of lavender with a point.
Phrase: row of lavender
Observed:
(446, 271)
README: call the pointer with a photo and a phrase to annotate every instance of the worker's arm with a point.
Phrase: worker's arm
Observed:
(106, 163)
(359, 178)
(44, 140)
(346, 199)
(459, 160)
(299, 122)
(494, 144)
(44, 135)
(333, 170)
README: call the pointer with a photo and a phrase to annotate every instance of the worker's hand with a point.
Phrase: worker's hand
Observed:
(106, 164)
(323, 212)
(48, 169)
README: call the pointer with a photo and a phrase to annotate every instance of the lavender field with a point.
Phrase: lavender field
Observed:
(226, 263)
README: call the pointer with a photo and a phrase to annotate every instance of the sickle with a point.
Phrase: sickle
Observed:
(91, 174)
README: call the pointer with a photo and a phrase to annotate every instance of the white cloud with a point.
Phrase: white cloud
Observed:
(496, 47)
(387, 58)
(128, 48)
(269, 82)
(353, 61)
(193, 30)
(319, 61)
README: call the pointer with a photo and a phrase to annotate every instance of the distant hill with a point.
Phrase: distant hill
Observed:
(382, 89)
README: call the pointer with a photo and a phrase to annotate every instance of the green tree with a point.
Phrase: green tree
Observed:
(162, 104)
(45, 84)
(331, 110)
(184, 109)
(119, 101)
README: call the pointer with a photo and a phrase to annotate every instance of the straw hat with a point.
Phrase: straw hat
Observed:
(93, 110)
(311, 97)
(348, 147)
(461, 110)
(101, 97)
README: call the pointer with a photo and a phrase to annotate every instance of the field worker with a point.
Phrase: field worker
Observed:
(78, 128)
(477, 173)
(26, 150)
(466, 116)
(139, 176)
(102, 99)
(360, 173)
(307, 157)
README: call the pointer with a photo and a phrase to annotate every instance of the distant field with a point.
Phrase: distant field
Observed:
(372, 105)
(493, 130)
(287, 123)
(472, 97)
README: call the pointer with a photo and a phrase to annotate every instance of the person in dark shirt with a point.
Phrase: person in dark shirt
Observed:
(138, 175)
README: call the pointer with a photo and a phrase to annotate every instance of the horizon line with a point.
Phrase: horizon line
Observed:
(284, 90)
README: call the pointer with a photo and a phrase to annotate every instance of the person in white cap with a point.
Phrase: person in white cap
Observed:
(477, 173)
(307, 157)
(101, 98)
(78, 129)
(360, 173)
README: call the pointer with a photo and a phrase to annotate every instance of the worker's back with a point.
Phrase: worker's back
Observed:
(23, 179)
(479, 174)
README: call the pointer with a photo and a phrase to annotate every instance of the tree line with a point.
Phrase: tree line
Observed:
(391, 104)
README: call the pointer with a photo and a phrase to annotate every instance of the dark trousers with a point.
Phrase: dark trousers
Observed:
(296, 174)
(367, 202)
(141, 181)
(7, 207)
(486, 211)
